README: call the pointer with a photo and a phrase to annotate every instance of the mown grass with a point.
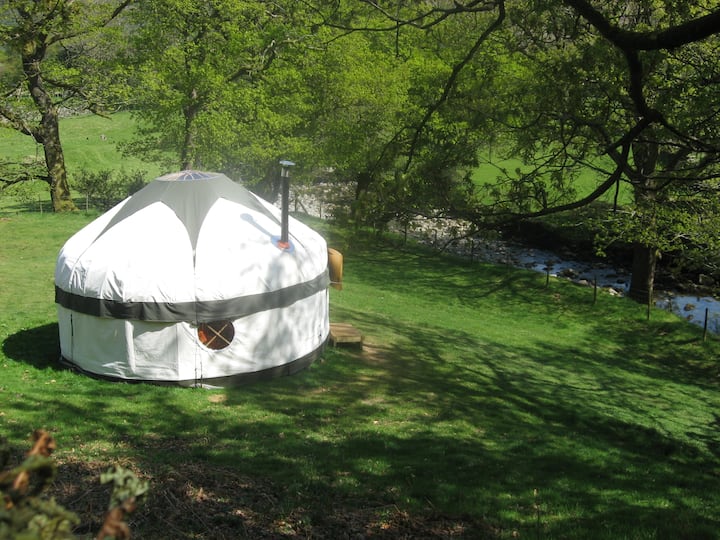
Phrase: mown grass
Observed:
(479, 392)
(89, 143)
(491, 168)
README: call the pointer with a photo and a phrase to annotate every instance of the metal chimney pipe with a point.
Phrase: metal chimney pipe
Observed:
(284, 242)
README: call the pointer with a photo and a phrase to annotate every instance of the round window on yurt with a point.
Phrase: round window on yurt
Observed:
(216, 335)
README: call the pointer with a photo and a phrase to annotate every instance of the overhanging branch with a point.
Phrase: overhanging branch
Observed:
(502, 218)
(437, 14)
(670, 38)
(450, 83)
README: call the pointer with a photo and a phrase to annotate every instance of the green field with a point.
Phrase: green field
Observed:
(491, 168)
(484, 404)
(89, 142)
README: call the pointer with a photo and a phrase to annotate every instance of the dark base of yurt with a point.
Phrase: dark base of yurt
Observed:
(237, 379)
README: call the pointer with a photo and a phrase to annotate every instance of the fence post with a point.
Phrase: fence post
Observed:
(595, 289)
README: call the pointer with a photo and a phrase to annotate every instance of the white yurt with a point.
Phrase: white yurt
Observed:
(188, 282)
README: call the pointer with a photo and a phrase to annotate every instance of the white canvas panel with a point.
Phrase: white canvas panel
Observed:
(146, 257)
(247, 251)
(94, 344)
(65, 331)
(306, 241)
(155, 351)
(252, 263)
(76, 245)
(172, 352)
(269, 339)
(208, 363)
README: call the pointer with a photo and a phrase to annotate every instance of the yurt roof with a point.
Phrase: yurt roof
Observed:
(189, 246)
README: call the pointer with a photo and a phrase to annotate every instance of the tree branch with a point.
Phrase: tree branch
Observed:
(450, 83)
(436, 14)
(599, 191)
(9, 119)
(670, 38)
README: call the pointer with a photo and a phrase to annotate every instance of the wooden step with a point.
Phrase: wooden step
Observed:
(344, 333)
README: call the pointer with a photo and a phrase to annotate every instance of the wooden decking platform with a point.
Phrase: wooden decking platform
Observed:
(345, 333)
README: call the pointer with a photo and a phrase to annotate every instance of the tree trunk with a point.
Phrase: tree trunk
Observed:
(186, 160)
(55, 161)
(364, 180)
(48, 132)
(645, 156)
(190, 112)
(642, 281)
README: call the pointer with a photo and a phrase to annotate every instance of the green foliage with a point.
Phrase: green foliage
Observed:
(26, 513)
(35, 519)
(374, 90)
(106, 188)
(24, 193)
(206, 87)
(684, 227)
(126, 485)
(573, 104)
(41, 37)
(68, 35)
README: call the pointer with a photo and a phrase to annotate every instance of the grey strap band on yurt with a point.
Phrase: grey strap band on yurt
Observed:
(197, 311)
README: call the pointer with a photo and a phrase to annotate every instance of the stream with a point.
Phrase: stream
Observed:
(692, 308)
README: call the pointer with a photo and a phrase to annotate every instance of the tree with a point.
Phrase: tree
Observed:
(376, 82)
(204, 92)
(38, 85)
(642, 98)
(360, 100)
(625, 88)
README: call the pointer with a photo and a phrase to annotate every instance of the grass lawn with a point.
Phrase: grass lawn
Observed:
(491, 168)
(89, 142)
(483, 405)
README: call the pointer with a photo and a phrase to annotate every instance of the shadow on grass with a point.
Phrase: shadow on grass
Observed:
(588, 429)
(38, 347)
(607, 439)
